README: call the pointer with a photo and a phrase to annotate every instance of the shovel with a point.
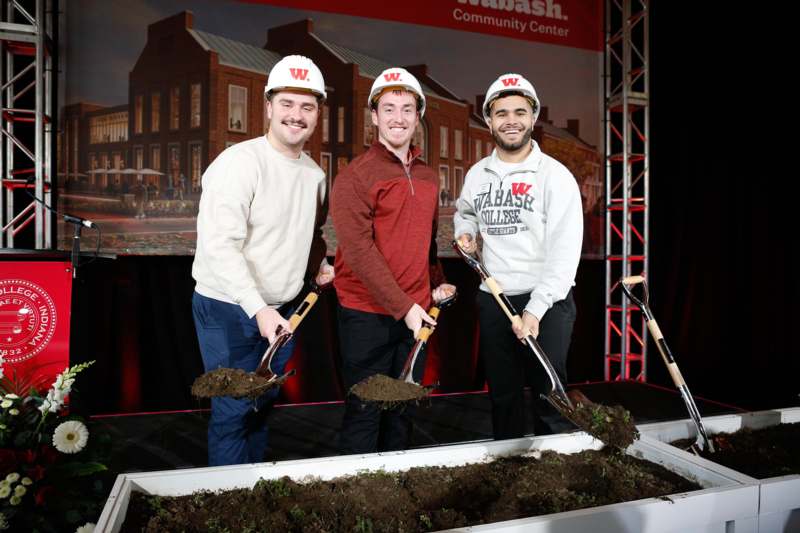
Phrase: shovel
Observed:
(628, 284)
(557, 396)
(282, 336)
(424, 333)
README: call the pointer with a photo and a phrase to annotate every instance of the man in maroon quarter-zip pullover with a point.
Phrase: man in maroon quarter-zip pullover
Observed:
(385, 211)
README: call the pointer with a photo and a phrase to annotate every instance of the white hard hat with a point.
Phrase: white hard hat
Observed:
(511, 83)
(397, 77)
(296, 72)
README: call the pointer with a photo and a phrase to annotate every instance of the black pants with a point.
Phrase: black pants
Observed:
(373, 344)
(508, 363)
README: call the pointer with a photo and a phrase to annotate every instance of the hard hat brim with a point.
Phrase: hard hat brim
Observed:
(302, 90)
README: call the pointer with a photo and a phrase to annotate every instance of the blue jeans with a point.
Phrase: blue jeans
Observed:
(237, 430)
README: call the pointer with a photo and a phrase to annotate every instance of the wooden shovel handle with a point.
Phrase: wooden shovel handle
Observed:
(303, 309)
(426, 330)
(633, 280)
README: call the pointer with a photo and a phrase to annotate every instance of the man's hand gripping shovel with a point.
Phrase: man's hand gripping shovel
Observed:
(407, 375)
(283, 336)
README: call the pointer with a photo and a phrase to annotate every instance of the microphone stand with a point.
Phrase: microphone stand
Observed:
(76, 249)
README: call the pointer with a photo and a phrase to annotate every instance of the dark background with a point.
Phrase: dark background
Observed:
(721, 251)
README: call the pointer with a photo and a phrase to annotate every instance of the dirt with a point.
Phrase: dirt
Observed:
(420, 499)
(233, 382)
(388, 392)
(759, 453)
(613, 426)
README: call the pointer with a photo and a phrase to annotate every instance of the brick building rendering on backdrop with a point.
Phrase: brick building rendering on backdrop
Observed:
(191, 94)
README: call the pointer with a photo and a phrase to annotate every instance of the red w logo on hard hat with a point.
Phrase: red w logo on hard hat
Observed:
(299, 73)
(392, 76)
(510, 81)
(520, 188)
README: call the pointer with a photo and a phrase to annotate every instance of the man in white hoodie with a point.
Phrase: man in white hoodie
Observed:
(258, 233)
(527, 208)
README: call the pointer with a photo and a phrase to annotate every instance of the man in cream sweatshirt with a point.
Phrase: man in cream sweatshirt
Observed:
(527, 208)
(259, 230)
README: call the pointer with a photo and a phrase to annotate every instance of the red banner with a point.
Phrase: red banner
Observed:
(573, 23)
(35, 306)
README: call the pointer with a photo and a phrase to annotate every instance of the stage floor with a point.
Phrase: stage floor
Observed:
(165, 441)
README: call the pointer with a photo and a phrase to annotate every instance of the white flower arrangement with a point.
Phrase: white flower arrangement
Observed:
(45, 460)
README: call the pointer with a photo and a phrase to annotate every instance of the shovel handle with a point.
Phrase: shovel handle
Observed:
(633, 280)
(307, 303)
(264, 367)
(503, 301)
(426, 330)
(303, 309)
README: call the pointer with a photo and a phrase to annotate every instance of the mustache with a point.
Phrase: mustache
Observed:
(301, 123)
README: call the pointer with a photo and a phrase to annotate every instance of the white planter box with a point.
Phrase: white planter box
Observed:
(779, 507)
(722, 505)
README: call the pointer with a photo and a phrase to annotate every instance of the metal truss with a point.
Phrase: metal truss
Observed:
(26, 81)
(627, 128)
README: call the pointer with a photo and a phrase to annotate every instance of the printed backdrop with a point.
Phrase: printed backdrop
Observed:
(155, 90)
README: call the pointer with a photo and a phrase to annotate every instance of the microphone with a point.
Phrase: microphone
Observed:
(78, 220)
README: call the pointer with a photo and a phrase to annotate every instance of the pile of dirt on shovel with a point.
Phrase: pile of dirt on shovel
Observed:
(233, 382)
(388, 392)
(613, 425)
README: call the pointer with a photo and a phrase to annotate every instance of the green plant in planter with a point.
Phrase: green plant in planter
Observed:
(363, 525)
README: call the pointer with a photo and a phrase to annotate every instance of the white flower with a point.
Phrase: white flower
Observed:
(70, 437)
(20, 491)
(13, 477)
(13, 412)
(15, 500)
(48, 405)
(61, 388)
(6, 404)
(88, 527)
(5, 490)
(27, 481)
(11, 396)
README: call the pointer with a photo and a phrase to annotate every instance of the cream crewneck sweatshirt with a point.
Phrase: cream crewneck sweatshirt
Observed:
(260, 212)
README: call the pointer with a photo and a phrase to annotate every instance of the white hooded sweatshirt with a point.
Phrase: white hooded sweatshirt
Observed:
(531, 222)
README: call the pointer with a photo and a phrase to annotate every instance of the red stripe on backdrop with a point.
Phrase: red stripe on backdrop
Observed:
(572, 23)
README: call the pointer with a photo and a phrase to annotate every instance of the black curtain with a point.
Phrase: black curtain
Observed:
(723, 232)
